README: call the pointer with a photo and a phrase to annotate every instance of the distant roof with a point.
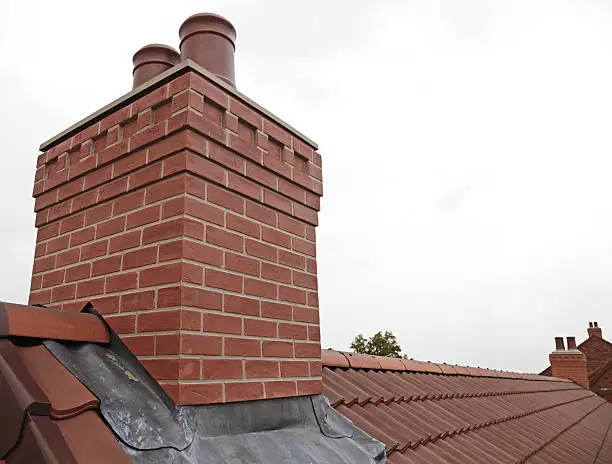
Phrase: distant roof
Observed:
(438, 413)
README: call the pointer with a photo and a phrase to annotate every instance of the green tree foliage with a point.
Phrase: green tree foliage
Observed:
(378, 344)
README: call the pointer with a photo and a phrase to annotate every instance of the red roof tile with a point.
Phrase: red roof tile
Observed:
(468, 415)
(30, 321)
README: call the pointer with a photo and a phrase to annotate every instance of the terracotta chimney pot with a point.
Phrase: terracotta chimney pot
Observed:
(208, 39)
(152, 60)
(571, 343)
(559, 345)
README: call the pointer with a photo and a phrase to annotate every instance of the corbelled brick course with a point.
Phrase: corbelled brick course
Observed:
(187, 216)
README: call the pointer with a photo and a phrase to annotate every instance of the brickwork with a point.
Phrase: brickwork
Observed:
(570, 364)
(188, 218)
(598, 352)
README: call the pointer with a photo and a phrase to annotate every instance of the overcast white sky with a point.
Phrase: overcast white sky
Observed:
(466, 151)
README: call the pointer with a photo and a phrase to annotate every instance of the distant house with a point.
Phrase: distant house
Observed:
(597, 352)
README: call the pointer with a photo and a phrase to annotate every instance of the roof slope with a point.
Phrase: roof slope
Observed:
(437, 413)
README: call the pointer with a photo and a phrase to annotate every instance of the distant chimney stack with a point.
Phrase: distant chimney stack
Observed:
(208, 40)
(570, 364)
(594, 330)
(152, 60)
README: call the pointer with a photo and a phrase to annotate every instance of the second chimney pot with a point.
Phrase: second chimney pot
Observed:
(571, 343)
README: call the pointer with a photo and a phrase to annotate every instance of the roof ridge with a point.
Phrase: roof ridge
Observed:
(344, 359)
(548, 442)
(488, 423)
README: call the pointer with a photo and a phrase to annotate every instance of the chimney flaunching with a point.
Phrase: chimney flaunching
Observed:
(569, 364)
(594, 330)
(186, 214)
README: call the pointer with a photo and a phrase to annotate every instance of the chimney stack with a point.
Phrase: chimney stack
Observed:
(594, 330)
(569, 364)
(186, 214)
(152, 60)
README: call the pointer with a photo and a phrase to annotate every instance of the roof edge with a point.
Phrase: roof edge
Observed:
(345, 359)
(161, 79)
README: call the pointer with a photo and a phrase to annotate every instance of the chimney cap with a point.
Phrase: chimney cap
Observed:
(207, 22)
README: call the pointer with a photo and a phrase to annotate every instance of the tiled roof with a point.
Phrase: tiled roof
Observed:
(438, 413)
(47, 414)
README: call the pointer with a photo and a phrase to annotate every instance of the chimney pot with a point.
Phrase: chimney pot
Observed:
(152, 60)
(559, 346)
(595, 324)
(209, 40)
(594, 330)
(571, 343)
(590, 324)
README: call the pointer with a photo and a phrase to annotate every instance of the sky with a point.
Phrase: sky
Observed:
(466, 147)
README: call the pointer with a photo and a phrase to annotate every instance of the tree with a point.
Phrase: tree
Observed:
(378, 344)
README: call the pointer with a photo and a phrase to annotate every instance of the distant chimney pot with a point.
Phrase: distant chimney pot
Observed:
(590, 324)
(559, 345)
(571, 343)
(209, 40)
(594, 330)
(152, 60)
(595, 324)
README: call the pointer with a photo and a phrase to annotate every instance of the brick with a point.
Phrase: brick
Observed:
(143, 217)
(94, 250)
(261, 250)
(205, 168)
(165, 189)
(97, 177)
(294, 295)
(276, 349)
(209, 393)
(280, 389)
(291, 259)
(140, 257)
(122, 282)
(81, 236)
(150, 321)
(301, 314)
(222, 197)
(145, 176)
(148, 135)
(242, 264)
(44, 264)
(125, 241)
(260, 368)
(275, 310)
(243, 225)
(47, 232)
(223, 280)
(128, 202)
(202, 253)
(292, 331)
(307, 350)
(168, 344)
(278, 202)
(140, 345)
(244, 391)
(58, 244)
(51, 279)
(261, 213)
(291, 225)
(58, 211)
(163, 231)
(112, 189)
(311, 266)
(294, 368)
(201, 344)
(72, 223)
(263, 176)
(304, 246)
(130, 163)
(79, 272)
(110, 227)
(275, 236)
(192, 273)
(70, 189)
(202, 298)
(313, 299)
(159, 275)
(226, 157)
(240, 305)
(65, 258)
(316, 368)
(260, 288)
(204, 211)
(309, 387)
(245, 347)
(306, 214)
(305, 280)
(170, 296)
(168, 145)
(244, 186)
(42, 298)
(221, 369)
(259, 328)
(276, 273)
(171, 251)
(90, 287)
(36, 283)
(219, 323)
(224, 239)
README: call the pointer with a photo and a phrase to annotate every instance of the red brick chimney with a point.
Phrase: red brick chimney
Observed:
(186, 213)
(569, 364)
(594, 330)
